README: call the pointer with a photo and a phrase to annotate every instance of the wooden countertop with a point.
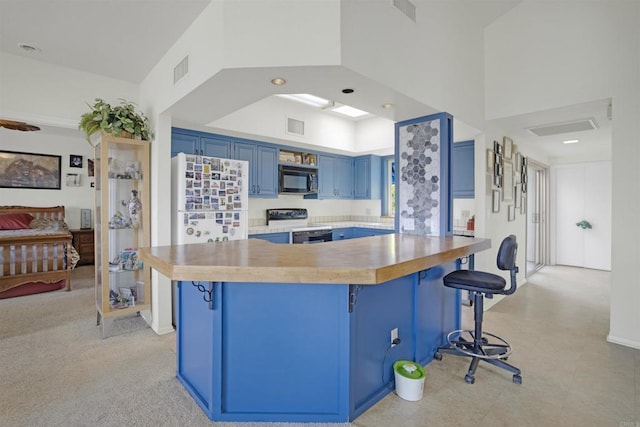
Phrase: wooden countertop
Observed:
(366, 261)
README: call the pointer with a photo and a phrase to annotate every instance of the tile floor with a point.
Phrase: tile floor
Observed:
(557, 325)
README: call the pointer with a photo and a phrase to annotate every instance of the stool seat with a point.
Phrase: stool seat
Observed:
(478, 281)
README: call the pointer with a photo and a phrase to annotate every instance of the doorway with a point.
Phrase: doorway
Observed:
(537, 209)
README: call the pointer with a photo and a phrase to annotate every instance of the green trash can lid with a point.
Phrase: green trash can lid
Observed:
(409, 369)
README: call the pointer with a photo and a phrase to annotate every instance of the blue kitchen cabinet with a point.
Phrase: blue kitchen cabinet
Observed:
(342, 233)
(463, 170)
(263, 168)
(272, 237)
(193, 142)
(367, 177)
(187, 143)
(336, 177)
(215, 147)
(366, 232)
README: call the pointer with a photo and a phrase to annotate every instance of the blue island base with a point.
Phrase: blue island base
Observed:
(306, 352)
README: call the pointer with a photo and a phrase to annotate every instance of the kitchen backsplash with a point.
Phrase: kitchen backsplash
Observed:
(319, 210)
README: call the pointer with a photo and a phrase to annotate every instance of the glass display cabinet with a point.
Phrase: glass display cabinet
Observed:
(121, 228)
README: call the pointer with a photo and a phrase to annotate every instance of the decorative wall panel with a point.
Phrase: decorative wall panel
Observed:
(423, 148)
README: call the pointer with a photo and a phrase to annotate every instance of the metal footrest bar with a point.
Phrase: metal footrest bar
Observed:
(482, 348)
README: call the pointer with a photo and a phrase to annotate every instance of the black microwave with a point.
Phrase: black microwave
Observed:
(294, 180)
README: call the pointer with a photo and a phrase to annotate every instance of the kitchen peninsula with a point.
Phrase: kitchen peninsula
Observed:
(269, 332)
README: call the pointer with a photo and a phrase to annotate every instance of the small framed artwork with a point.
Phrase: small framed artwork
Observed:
(490, 160)
(511, 213)
(75, 161)
(507, 147)
(90, 167)
(518, 196)
(507, 181)
(497, 147)
(518, 162)
(73, 180)
(495, 201)
(523, 205)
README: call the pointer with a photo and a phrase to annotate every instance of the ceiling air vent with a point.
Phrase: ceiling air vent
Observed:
(181, 70)
(295, 127)
(406, 7)
(564, 127)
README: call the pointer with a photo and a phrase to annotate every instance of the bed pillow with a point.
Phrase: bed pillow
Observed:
(15, 221)
(48, 224)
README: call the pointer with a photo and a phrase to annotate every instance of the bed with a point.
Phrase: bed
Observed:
(35, 250)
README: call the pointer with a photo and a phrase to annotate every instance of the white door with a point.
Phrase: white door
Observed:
(583, 193)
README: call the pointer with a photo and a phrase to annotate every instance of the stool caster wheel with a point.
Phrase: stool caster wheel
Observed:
(469, 378)
(517, 379)
(437, 355)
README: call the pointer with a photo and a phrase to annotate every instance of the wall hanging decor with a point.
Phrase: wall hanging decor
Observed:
(29, 170)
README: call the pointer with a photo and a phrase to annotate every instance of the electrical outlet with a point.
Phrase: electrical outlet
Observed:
(394, 336)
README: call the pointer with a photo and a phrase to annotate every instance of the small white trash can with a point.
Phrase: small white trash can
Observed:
(409, 378)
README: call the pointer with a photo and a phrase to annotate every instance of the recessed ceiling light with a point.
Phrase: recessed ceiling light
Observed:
(350, 111)
(387, 106)
(278, 81)
(570, 141)
(347, 90)
(29, 48)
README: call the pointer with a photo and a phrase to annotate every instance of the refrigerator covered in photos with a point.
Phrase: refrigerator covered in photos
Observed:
(210, 199)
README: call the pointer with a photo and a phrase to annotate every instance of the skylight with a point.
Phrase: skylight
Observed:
(306, 98)
(349, 111)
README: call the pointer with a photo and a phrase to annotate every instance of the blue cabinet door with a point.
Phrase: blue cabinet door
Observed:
(267, 171)
(367, 177)
(263, 168)
(247, 152)
(184, 143)
(336, 177)
(342, 233)
(272, 237)
(344, 175)
(366, 232)
(463, 170)
(326, 186)
(215, 147)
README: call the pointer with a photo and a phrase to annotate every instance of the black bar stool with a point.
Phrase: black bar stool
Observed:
(479, 345)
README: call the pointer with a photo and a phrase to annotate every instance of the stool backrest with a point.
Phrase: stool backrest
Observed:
(507, 260)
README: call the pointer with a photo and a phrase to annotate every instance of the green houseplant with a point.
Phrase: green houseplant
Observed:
(121, 120)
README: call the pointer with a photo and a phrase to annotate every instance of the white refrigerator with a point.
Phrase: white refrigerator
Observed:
(210, 199)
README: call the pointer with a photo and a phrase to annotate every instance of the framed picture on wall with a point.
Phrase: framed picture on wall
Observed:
(497, 147)
(495, 201)
(29, 170)
(511, 213)
(75, 161)
(507, 147)
(507, 181)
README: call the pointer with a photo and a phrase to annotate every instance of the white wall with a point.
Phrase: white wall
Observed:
(438, 61)
(564, 53)
(42, 93)
(57, 143)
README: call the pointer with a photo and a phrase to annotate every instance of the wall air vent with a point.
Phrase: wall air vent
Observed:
(181, 70)
(295, 127)
(406, 7)
(564, 127)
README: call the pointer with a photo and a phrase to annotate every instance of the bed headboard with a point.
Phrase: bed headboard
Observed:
(53, 212)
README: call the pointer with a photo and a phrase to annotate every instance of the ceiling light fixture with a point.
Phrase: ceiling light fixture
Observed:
(570, 141)
(350, 111)
(347, 90)
(308, 99)
(387, 106)
(278, 81)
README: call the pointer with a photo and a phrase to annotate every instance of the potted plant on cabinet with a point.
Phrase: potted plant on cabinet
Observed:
(121, 120)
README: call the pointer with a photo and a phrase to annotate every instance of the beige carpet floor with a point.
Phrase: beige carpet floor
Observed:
(56, 370)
